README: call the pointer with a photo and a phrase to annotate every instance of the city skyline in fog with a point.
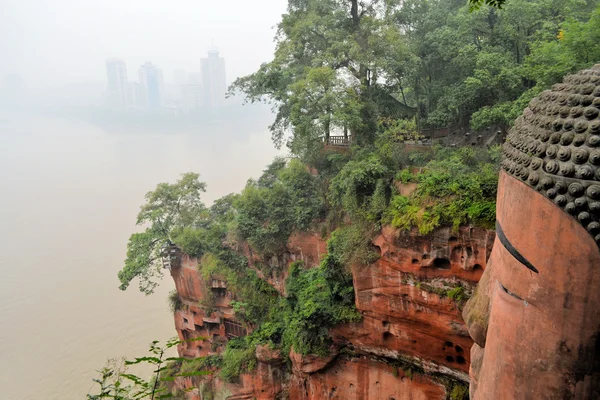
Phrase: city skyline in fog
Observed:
(60, 42)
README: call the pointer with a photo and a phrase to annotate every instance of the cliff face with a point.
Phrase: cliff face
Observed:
(403, 297)
(410, 337)
(305, 247)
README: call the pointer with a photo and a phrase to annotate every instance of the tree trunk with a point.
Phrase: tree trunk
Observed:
(354, 12)
(327, 128)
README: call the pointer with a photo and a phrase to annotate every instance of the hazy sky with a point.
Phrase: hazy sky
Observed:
(54, 42)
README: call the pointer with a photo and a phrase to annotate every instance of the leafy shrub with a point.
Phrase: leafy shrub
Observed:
(284, 199)
(353, 188)
(352, 245)
(457, 187)
(328, 163)
(190, 366)
(255, 298)
(405, 176)
(190, 240)
(459, 392)
(239, 357)
(319, 299)
(175, 302)
(457, 294)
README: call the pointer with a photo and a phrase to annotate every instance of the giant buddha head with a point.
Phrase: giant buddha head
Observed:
(535, 316)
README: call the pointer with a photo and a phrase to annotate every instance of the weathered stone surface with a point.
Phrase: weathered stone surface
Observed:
(405, 189)
(307, 247)
(310, 363)
(554, 147)
(364, 379)
(441, 254)
(402, 319)
(187, 280)
(535, 315)
(267, 355)
(266, 382)
(536, 333)
(191, 322)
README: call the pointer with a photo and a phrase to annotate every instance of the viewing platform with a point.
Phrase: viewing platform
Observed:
(171, 256)
(427, 137)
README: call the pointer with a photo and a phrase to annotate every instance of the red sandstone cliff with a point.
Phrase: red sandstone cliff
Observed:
(411, 332)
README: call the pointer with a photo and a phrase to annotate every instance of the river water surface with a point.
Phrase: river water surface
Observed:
(69, 195)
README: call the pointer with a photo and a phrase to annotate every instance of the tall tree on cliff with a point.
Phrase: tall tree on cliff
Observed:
(469, 66)
(170, 213)
(327, 71)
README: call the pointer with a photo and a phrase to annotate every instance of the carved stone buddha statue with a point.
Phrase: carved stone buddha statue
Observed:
(535, 316)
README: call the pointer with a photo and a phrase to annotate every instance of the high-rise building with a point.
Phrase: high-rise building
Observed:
(151, 80)
(117, 89)
(135, 95)
(213, 78)
(194, 78)
(191, 98)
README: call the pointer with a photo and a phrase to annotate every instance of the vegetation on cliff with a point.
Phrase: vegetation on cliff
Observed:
(344, 66)
(362, 69)
(286, 198)
(455, 188)
(170, 211)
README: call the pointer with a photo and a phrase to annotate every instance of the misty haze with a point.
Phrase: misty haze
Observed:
(99, 101)
(300, 200)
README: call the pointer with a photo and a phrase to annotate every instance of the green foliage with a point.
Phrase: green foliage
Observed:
(255, 298)
(457, 187)
(405, 176)
(117, 383)
(366, 67)
(169, 209)
(353, 188)
(175, 302)
(191, 241)
(457, 294)
(239, 357)
(143, 256)
(351, 245)
(111, 382)
(398, 129)
(328, 163)
(476, 4)
(499, 114)
(323, 77)
(190, 367)
(284, 199)
(459, 391)
(319, 298)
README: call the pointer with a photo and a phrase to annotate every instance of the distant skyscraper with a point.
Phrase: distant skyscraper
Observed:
(191, 98)
(135, 95)
(151, 79)
(213, 78)
(194, 78)
(117, 89)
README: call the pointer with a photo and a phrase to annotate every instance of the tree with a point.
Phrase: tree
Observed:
(170, 210)
(328, 60)
(475, 4)
(344, 66)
